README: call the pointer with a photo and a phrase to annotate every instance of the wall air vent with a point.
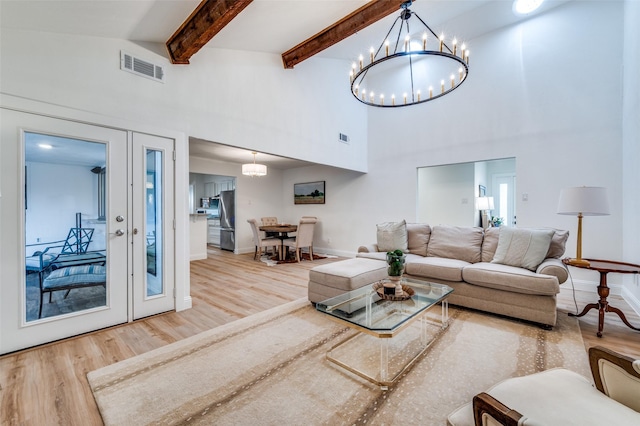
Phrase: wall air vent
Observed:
(344, 138)
(141, 67)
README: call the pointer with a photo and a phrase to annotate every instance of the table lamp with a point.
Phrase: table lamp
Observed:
(484, 204)
(583, 201)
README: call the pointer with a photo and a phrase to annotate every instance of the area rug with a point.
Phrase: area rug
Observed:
(271, 369)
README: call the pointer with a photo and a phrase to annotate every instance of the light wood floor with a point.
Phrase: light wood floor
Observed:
(47, 385)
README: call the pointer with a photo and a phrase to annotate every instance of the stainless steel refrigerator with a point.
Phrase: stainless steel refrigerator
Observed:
(227, 207)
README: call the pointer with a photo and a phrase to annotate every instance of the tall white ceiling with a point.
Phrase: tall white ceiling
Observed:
(270, 26)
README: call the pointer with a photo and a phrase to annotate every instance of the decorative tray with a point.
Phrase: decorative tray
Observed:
(407, 292)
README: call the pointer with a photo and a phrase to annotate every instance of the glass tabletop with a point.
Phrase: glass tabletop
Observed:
(366, 308)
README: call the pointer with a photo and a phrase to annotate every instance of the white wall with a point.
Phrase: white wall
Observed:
(71, 189)
(535, 93)
(245, 99)
(446, 195)
(631, 147)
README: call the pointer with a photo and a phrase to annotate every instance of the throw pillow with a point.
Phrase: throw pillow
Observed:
(392, 236)
(524, 248)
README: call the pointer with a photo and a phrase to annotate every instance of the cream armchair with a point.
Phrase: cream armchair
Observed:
(561, 397)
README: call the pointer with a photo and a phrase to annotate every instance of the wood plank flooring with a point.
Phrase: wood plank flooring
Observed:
(47, 385)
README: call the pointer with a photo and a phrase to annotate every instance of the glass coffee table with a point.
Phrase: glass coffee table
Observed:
(372, 313)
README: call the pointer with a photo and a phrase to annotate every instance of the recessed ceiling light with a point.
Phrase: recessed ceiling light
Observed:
(524, 7)
(45, 146)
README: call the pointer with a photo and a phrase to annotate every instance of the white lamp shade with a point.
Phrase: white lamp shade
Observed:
(588, 200)
(253, 169)
(484, 203)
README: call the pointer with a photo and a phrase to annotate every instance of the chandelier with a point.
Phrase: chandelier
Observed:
(253, 169)
(412, 65)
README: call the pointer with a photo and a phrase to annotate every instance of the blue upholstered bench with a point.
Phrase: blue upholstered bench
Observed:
(71, 277)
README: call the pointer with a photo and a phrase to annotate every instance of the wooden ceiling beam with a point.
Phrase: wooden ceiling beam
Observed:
(206, 21)
(346, 27)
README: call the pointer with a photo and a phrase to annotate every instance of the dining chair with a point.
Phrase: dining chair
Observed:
(311, 217)
(304, 237)
(262, 242)
(269, 220)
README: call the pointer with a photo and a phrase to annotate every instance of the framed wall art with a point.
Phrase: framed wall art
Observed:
(309, 192)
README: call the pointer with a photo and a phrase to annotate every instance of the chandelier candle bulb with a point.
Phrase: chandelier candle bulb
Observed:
(418, 95)
(467, 56)
(424, 41)
(406, 44)
(386, 48)
(453, 81)
(455, 46)
(361, 58)
(441, 41)
(430, 92)
(442, 86)
(460, 73)
(371, 54)
(381, 99)
(393, 100)
(405, 98)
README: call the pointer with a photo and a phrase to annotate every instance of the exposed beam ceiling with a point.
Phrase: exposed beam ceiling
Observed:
(346, 27)
(206, 21)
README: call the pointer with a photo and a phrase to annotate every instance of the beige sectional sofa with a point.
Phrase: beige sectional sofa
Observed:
(512, 282)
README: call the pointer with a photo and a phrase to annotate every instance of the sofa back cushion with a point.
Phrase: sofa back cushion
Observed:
(456, 242)
(490, 243)
(392, 236)
(418, 235)
(558, 243)
(524, 248)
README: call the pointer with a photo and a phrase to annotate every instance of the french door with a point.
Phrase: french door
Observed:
(75, 251)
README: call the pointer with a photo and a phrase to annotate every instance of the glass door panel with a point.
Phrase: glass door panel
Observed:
(153, 231)
(153, 273)
(66, 256)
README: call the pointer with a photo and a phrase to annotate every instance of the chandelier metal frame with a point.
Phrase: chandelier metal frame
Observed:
(357, 76)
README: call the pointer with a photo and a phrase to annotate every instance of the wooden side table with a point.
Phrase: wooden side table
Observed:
(604, 267)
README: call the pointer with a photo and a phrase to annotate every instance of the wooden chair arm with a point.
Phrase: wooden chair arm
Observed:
(615, 376)
(483, 403)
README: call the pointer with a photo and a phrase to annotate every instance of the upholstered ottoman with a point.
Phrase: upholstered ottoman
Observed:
(333, 279)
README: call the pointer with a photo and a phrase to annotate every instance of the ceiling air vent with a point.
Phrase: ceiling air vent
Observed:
(141, 67)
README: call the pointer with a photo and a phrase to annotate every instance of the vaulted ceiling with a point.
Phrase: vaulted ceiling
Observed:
(298, 29)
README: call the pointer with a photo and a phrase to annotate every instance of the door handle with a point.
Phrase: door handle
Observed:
(119, 232)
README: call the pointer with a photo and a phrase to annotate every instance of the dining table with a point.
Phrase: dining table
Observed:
(282, 230)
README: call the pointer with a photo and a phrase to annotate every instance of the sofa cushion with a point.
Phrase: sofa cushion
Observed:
(436, 268)
(392, 236)
(510, 278)
(490, 243)
(558, 243)
(349, 274)
(525, 248)
(418, 238)
(456, 242)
